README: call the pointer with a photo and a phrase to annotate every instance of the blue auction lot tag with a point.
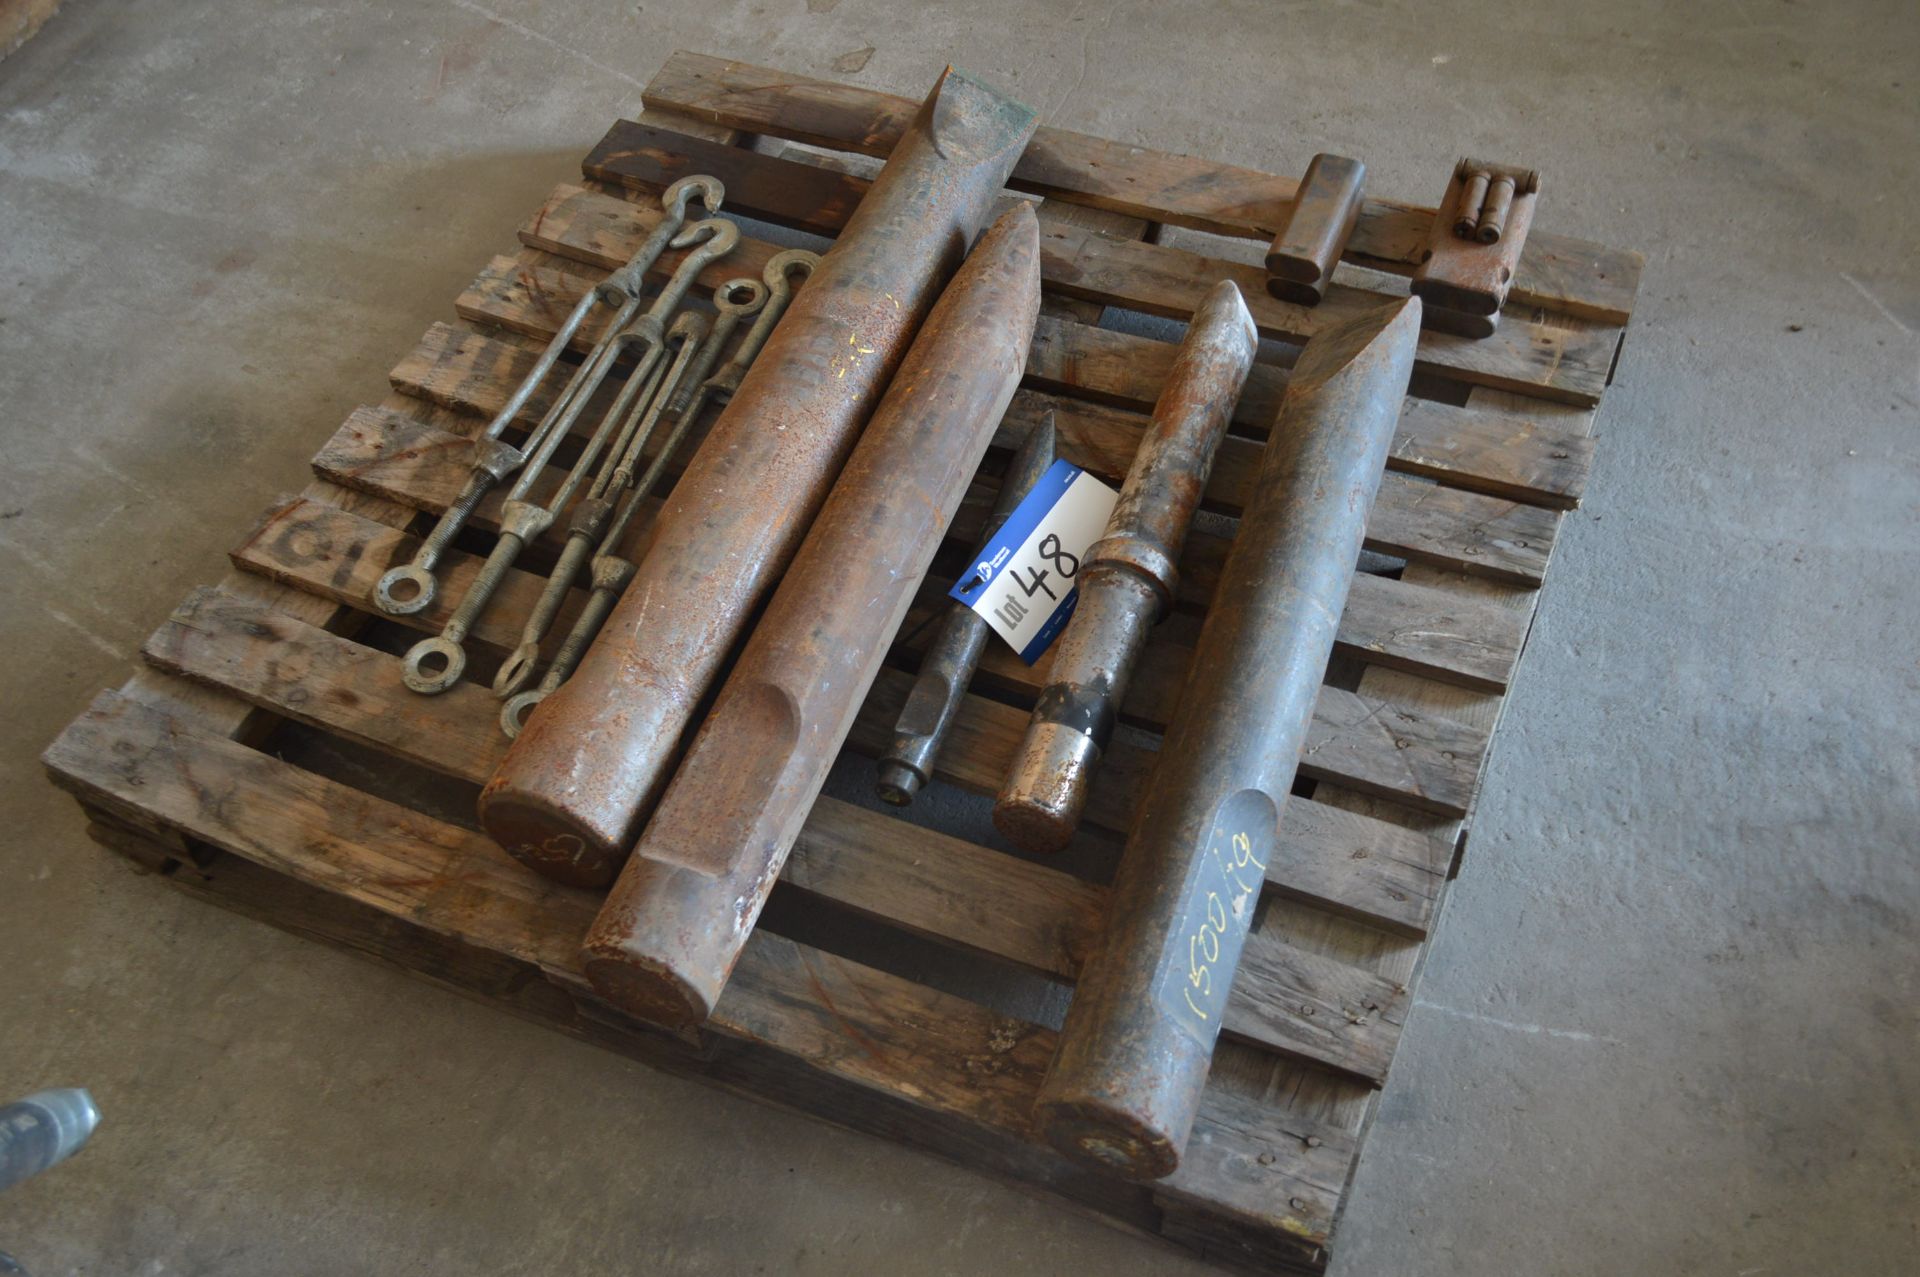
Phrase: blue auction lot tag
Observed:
(1024, 583)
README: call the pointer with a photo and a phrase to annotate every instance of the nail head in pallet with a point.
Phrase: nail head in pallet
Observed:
(177, 769)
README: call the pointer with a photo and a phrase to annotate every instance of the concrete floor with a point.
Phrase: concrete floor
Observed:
(1670, 1024)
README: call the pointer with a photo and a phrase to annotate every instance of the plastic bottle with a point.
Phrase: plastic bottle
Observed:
(43, 1130)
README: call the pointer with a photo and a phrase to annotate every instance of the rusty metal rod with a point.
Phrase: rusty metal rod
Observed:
(678, 917)
(948, 665)
(1127, 578)
(1493, 213)
(571, 791)
(1125, 1082)
(1466, 219)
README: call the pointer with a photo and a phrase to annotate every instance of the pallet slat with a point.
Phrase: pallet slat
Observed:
(1411, 518)
(1425, 762)
(886, 1034)
(1565, 361)
(1576, 276)
(1365, 868)
(1386, 621)
(1293, 1002)
(1517, 455)
(338, 556)
(1463, 531)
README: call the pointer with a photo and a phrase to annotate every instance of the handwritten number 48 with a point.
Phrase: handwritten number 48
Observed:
(1065, 564)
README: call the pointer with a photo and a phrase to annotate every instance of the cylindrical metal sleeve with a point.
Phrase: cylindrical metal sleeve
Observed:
(1125, 1084)
(1128, 579)
(1045, 794)
(1466, 219)
(1493, 213)
(570, 792)
(669, 934)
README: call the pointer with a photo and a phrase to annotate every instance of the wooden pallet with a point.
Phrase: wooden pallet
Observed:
(269, 759)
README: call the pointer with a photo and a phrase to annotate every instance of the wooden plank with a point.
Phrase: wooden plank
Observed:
(1541, 356)
(21, 20)
(645, 158)
(1515, 455)
(1579, 277)
(1224, 1228)
(1412, 518)
(1261, 1164)
(337, 556)
(1425, 762)
(227, 715)
(1386, 621)
(1522, 454)
(763, 1073)
(947, 889)
(1336, 1101)
(1285, 1000)
(1027, 914)
(461, 371)
(396, 456)
(1529, 355)
(121, 753)
(506, 981)
(1439, 751)
(310, 676)
(604, 231)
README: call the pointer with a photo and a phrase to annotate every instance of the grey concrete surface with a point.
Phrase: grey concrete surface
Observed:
(1670, 1024)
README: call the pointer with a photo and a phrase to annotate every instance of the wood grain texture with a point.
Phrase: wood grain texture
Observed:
(1412, 518)
(1515, 455)
(1331, 1099)
(1368, 869)
(1427, 762)
(1566, 362)
(925, 882)
(880, 1034)
(227, 715)
(338, 556)
(840, 1018)
(1386, 620)
(504, 981)
(1577, 276)
(21, 20)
